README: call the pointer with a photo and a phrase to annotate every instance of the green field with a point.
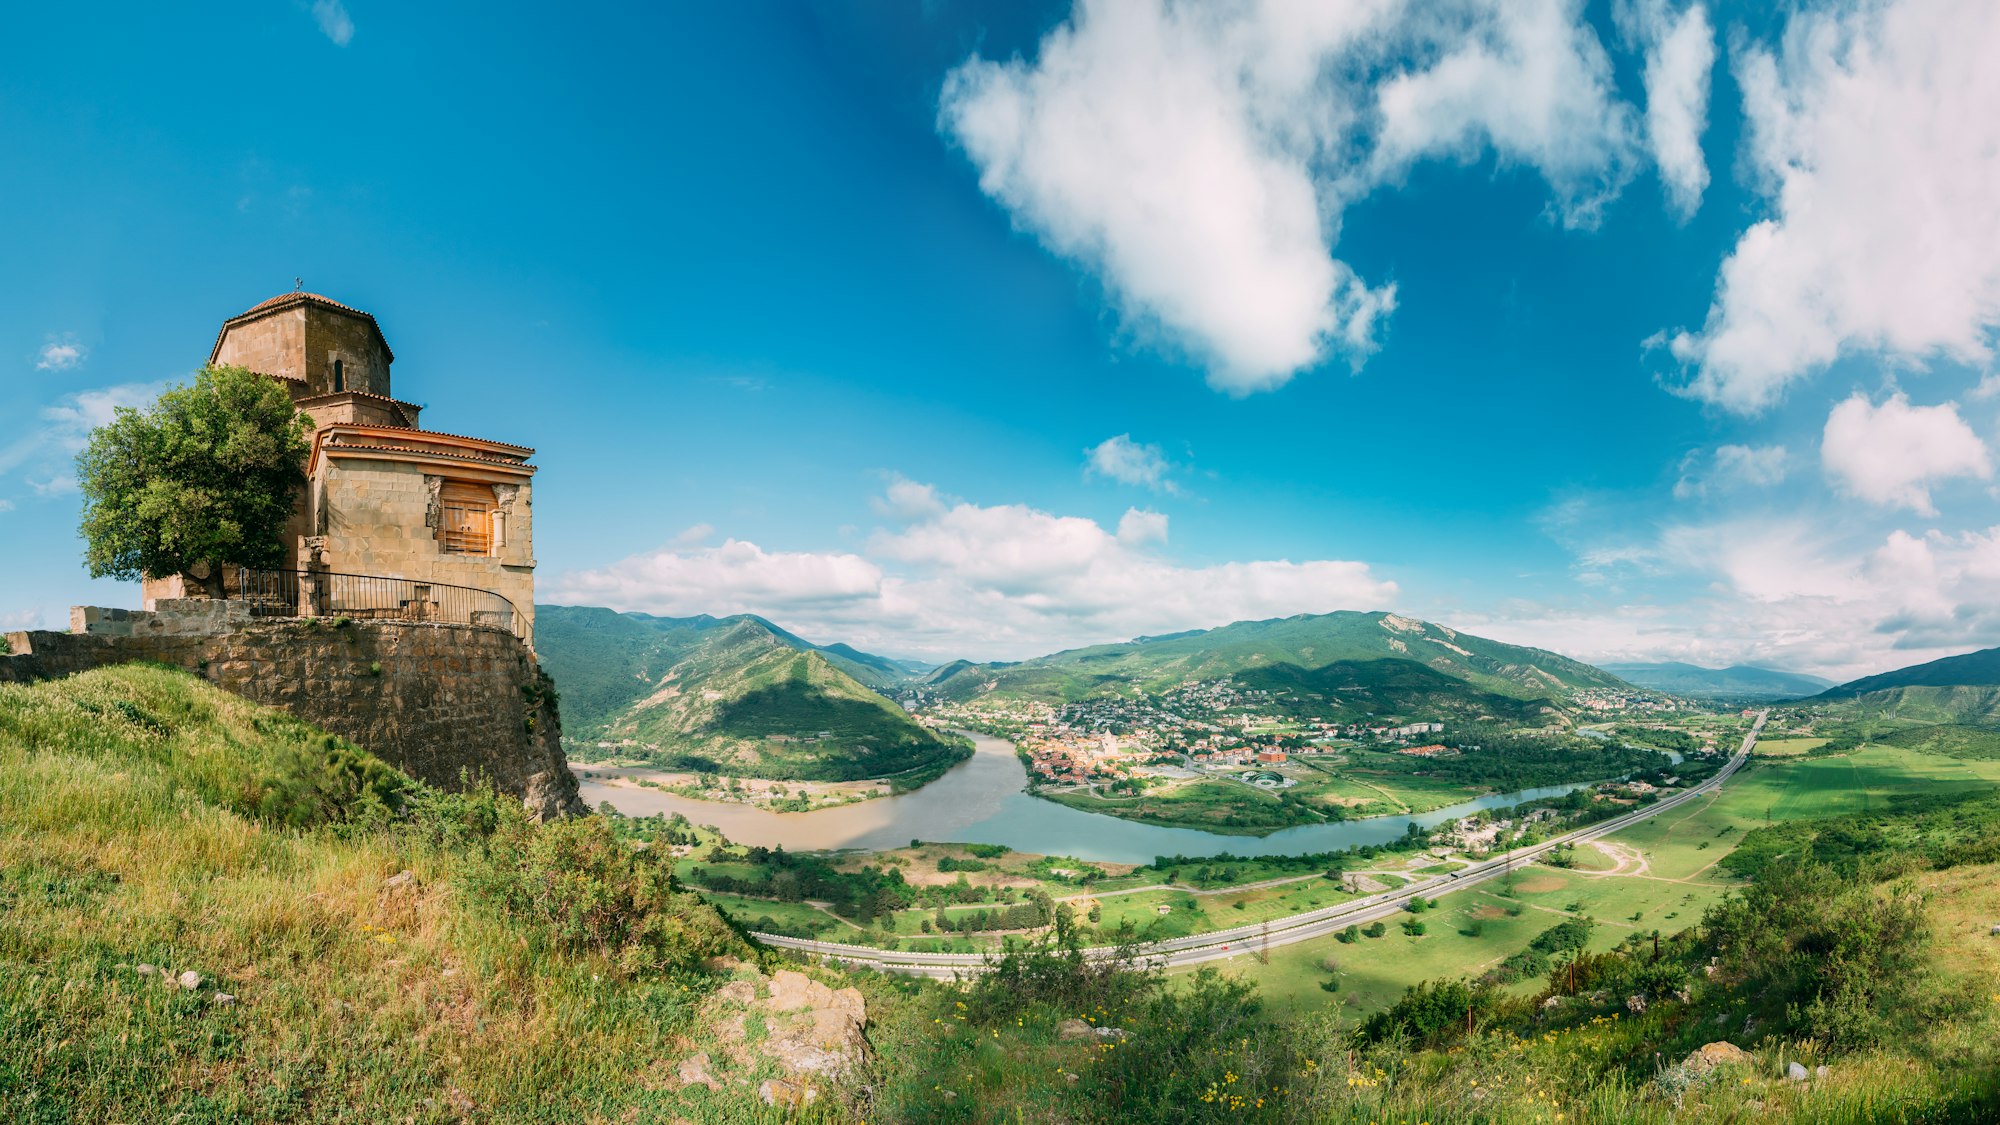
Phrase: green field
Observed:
(790, 915)
(1680, 878)
(1213, 806)
(1787, 747)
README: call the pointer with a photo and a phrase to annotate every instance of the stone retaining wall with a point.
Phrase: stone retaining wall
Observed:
(432, 700)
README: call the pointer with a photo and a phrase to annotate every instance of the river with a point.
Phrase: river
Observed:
(983, 800)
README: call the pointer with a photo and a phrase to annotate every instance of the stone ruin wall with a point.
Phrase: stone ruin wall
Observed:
(432, 700)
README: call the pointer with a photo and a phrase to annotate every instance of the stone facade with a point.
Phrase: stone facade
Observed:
(432, 700)
(378, 520)
(370, 506)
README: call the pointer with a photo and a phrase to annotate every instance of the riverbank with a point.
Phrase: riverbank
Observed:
(1261, 798)
(984, 800)
(748, 792)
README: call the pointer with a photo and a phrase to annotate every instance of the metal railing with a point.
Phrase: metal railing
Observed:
(369, 597)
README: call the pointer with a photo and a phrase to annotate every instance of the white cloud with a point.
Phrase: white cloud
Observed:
(908, 500)
(1198, 158)
(736, 577)
(21, 619)
(334, 21)
(1527, 78)
(1130, 462)
(1680, 54)
(692, 535)
(1873, 130)
(65, 426)
(1889, 454)
(6, 506)
(1138, 527)
(1780, 591)
(59, 355)
(961, 579)
(1731, 467)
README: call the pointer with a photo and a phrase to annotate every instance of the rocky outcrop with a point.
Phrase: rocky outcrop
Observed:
(814, 1035)
(433, 700)
(1712, 1055)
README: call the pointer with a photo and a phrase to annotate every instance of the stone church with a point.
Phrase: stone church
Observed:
(385, 498)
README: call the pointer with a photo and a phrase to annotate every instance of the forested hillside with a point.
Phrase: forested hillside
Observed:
(730, 695)
(1473, 669)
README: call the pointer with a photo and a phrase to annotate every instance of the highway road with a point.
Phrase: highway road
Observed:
(1219, 944)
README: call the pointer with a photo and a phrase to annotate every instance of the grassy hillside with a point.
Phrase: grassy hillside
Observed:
(1956, 689)
(1975, 669)
(1354, 689)
(731, 695)
(1921, 703)
(1303, 642)
(392, 953)
(516, 973)
(1738, 681)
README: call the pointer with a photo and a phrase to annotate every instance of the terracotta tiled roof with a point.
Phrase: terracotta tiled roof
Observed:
(402, 408)
(290, 298)
(502, 461)
(359, 394)
(362, 427)
(524, 450)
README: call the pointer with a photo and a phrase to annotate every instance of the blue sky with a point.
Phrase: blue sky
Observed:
(984, 330)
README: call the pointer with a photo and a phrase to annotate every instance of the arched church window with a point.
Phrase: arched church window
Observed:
(339, 380)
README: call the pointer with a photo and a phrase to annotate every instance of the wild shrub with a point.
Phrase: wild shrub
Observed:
(589, 892)
(1429, 1013)
(1845, 965)
(1054, 970)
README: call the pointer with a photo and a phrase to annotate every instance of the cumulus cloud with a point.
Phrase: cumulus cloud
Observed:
(1781, 591)
(1680, 53)
(986, 581)
(1873, 132)
(1198, 158)
(1129, 462)
(906, 499)
(736, 577)
(1889, 454)
(334, 21)
(64, 426)
(1528, 79)
(1730, 467)
(59, 355)
(1138, 527)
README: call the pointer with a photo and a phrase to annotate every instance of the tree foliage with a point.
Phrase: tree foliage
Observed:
(205, 476)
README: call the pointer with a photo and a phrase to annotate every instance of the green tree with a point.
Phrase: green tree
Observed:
(204, 477)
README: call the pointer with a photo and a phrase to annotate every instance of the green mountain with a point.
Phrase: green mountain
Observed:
(1955, 689)
(731, 694)
(1738, 681)
(1479, 670)
(1964, 688)
(1355, 689)
(1972, 669)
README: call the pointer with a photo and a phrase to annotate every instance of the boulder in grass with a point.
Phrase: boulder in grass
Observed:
(1712, 1055)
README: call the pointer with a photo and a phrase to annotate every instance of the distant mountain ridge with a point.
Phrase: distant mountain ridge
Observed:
(1971, 669)
(1483, 671)
(1736, 681)
(731, 694)
(1963, 688)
